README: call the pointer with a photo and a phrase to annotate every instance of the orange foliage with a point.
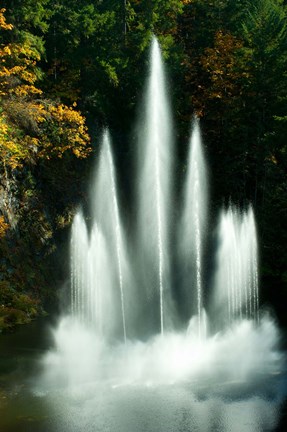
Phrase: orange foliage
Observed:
(17, 71)
(3, 226)
(3, 24)
(33, 128)
(223, 66)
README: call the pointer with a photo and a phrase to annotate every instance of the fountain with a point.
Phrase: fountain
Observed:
(155, 180)
(227, 348)
(236, 284)
(97, 260)
(193, 223)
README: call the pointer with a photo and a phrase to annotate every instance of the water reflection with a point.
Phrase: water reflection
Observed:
(201, 405)
(176, 383)
(170, 408)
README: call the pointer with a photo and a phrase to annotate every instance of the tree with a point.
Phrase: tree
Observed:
(32, 127)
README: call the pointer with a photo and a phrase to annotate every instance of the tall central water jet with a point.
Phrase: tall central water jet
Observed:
(193, 224)
(155, 182)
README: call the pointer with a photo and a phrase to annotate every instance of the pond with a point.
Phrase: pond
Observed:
(107, 405)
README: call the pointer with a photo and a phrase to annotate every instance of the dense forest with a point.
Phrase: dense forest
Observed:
(68, 68)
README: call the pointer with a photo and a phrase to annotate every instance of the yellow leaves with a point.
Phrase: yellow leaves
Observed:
(54, 130)
(63, 113)
(26, 90)
(12, 152)
(32, 142)
(14, 63)
(5, 51)
(18, 70)
(3, 24)
(27, 76)
(66, 127)
(31, 128)
(3, 226)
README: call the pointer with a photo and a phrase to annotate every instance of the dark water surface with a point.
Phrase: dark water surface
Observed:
(109, 407)
(19, 364)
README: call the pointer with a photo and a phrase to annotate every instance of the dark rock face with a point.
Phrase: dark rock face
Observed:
(25, 249)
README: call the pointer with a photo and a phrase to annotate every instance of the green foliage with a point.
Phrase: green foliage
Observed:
(15, 308)
(28, 15)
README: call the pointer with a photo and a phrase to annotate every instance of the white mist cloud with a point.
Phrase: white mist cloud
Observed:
(242, 353)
